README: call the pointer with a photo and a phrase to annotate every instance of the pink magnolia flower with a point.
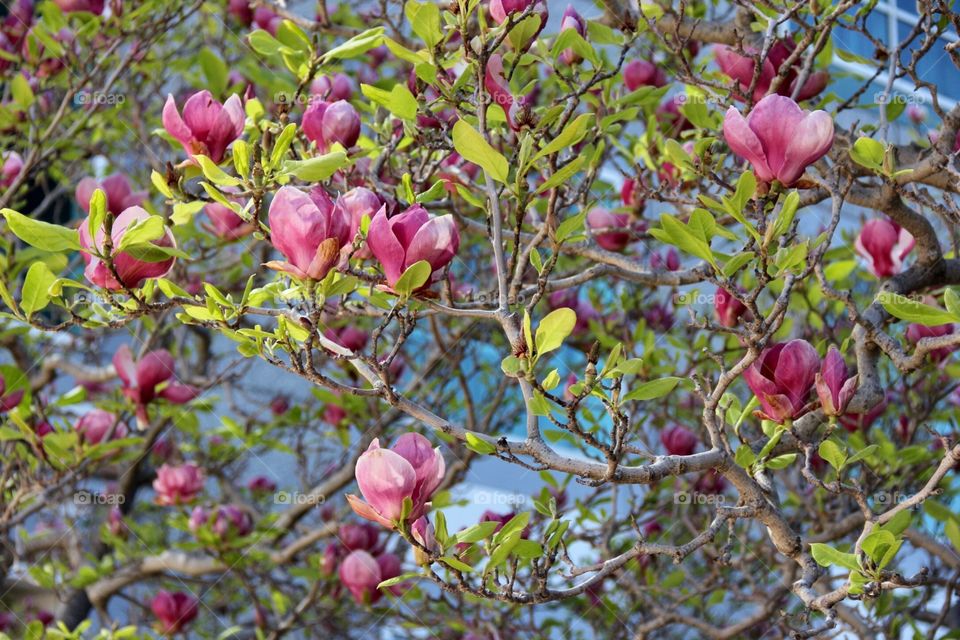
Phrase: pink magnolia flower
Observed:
(600, 219)
(349, 336)
(500, 10)
(727, 308)
(424, 533)
(711, 482)
(856, 421)
(116, 187)
(92, 6)
(151, 377)
(410, 237)
(267, 20)
(354, 205)
(386, 477)
(130, 270)
(630, 194)
(261, 484)
(178, 485)
(8, 400)
(741, 69)
(359, 535)
(231, 521)
(916, 332)
(678, 441)
(779, 138)
(94, 425)
(225, 223)
(308, 230)
(207, 126)
(499, 90)
(174, 611)
(640, 73)
(671, 262)
(572, 20)
(279, 405)
(334, 414)
(884, 244)
(340, 87)
(781, 379)
(835, 387)
(360, 573)
(12, 166)
(916, 113)
(326, 123)
(241, 10)
(570, 299)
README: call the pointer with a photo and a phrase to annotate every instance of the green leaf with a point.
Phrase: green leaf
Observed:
(36, 287)
(424, 19)
(160, 183)
(744, 457)
(563, 174)
(214, 70)
(142, 232)
(573, 133)
(318, 168)
(241, 157)
(357, 45)
(554, 329)
(471, 145)
(98, 212)
(653, 389)
(515, 525)
(868, 153)
(827, 556)
(413, 278)
(912, 311)
(877, 543)
(42, 235)
(863, 453)
(833, 453)
(281, 145)
(952, 302)
(477, 532)
(215, 174)
(678, 234)
(21, 91)
(454, 563)
(263, 43)
(952, 531)
(398, 101)
(475, 443)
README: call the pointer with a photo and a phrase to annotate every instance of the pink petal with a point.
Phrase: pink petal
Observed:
(745, 143)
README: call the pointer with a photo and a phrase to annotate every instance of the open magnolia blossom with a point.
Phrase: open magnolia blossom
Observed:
(779, 138)
(207, 126)
(884, 245)
(782, 378)
(128, 269)
(411, 471)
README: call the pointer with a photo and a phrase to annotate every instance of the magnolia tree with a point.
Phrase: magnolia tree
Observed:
(289, 288)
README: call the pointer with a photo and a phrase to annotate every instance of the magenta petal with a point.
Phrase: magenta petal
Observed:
(200, 113)
(436, 242)
(744, 142)
(385, 479)
(796, 371)
(174, 124)
(154, 368)
(810, 141)
(125, 366)
(406, 225)
(179, 393)
(775, 121)
(385, 246)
